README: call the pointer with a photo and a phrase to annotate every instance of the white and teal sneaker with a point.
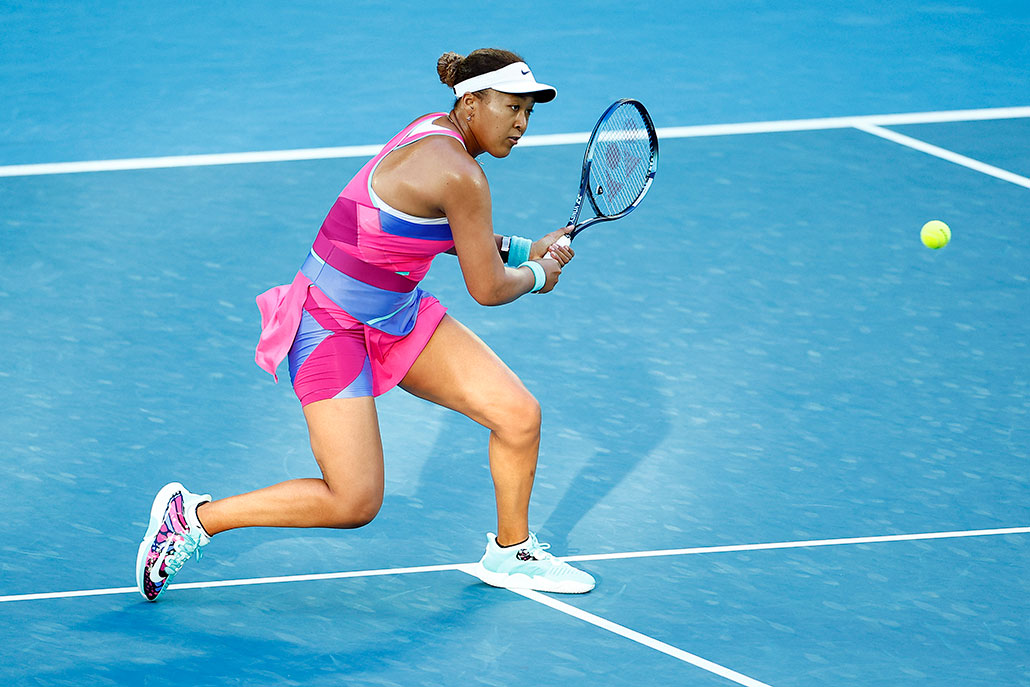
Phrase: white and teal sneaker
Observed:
(173, 536)
(529, 566)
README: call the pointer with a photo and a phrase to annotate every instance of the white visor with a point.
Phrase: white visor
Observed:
(515, 78)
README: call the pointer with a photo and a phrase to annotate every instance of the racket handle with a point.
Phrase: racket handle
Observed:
(563, 241)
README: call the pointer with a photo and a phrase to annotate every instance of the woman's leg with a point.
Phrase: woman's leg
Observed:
(346, 443)
(458, 370)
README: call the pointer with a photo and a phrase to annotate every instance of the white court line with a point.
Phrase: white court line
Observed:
(171, 161)
(530, 141)
(944, 154)
(825, 123)
(633, 635)
(801, 544)
(593, 557)
(236, 583)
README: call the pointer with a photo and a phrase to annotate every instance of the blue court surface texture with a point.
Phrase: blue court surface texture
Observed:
(790, 441)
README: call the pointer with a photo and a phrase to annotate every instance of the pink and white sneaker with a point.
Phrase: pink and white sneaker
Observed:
(174, 534)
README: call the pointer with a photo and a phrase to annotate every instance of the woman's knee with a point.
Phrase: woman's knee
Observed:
(355, 507)
(519, 417)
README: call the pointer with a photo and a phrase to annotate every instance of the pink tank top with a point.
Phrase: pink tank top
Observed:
(368, 229)
(367, 257)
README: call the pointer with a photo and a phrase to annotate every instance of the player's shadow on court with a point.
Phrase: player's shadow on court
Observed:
(345, 631)
(620, 422)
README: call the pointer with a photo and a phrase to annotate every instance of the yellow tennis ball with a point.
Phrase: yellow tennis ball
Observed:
(935, 234)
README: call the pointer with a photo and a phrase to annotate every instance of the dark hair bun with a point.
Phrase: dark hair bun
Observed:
(447, 68)
(454, 68)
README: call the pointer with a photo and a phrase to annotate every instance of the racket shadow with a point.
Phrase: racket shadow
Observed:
(633, 422)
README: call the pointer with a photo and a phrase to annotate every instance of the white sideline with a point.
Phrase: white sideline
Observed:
(944, 154)
(650, 642)
(816, 124)
(592, 557)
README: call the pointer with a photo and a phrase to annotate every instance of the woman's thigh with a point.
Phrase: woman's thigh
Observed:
(459, 371)
(346, 443)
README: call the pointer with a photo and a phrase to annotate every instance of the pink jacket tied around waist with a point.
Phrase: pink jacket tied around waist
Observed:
(281, 309)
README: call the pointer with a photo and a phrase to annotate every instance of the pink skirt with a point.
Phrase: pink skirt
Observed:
(335, 356)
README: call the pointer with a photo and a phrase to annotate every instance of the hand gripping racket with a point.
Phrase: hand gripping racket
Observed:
(618, 166)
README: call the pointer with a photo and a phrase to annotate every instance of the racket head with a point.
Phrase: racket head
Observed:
(619, 163)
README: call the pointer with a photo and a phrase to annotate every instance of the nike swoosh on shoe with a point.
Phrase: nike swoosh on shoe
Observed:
(155, 570)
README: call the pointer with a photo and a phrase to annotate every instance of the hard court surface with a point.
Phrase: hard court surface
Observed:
(788, 439)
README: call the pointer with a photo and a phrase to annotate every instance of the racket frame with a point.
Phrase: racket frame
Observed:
(586, 192)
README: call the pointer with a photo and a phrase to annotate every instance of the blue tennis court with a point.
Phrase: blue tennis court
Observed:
(789, 440)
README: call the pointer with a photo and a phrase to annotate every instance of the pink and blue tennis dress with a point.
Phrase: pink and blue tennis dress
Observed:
(354, 320)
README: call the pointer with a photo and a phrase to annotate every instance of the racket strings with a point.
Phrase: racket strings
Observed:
(622, 160)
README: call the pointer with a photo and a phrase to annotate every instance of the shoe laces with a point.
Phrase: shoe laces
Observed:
(538, 550)
(187, 546)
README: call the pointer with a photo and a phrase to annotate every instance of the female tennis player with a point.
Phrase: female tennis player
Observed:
(354, 324)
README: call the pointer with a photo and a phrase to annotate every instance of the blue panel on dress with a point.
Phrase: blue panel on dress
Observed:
(309, 334)
(413, 230)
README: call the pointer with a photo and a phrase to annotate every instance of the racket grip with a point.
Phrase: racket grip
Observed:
(562, 241)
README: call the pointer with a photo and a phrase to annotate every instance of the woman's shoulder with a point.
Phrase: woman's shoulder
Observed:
(437, 165)
(446, 154)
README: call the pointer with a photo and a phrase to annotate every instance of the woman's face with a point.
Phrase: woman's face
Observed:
(500, 120)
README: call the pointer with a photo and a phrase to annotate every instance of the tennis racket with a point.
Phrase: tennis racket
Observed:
(618, 166)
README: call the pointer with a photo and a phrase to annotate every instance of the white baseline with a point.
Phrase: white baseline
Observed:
(363, 151)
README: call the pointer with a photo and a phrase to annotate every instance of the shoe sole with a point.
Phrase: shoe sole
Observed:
(157, 514)
(520, 581)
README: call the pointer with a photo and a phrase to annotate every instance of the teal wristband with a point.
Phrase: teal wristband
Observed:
(539, 276)
(518, 252)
